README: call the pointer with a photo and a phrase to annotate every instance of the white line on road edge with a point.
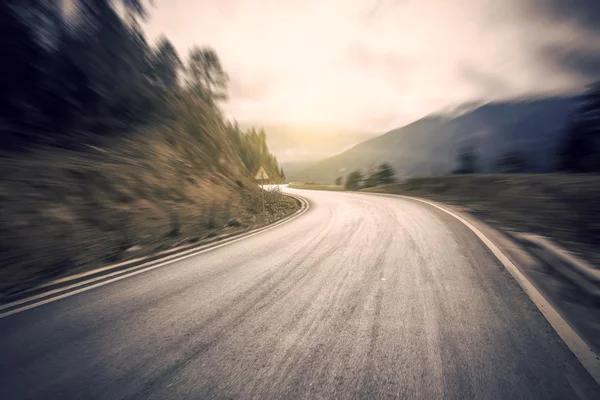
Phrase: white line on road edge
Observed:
(138, 269)
(582, 351)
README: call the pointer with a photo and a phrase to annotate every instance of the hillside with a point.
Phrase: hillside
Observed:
(112, 149)
(67, 211)
(429, 145)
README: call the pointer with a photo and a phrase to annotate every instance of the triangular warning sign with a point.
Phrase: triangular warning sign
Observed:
(261, 174)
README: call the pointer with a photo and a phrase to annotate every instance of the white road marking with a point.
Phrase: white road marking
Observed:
(136, 269)
(576, 344)
(582, 351)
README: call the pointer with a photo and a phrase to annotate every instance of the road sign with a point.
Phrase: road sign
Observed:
(261, 174)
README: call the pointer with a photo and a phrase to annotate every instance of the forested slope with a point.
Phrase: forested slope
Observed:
(112, 147)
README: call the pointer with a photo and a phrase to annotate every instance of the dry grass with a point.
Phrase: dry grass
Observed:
(66, 211)
(565, 208)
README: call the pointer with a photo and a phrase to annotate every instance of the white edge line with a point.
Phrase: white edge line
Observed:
(582, 351)
(138, 269)
(162, 260)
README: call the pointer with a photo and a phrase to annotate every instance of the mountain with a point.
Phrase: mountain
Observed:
(429, 145)
(295, 168)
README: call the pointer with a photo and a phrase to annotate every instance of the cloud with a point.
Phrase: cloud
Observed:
(585, 64)
(253, 89)
(373, 65)
(376, 7)
(487, 82)
(388, 66)
(379, 7)
(390, 119)
(363, 57)
(583, 13)
(567, 34)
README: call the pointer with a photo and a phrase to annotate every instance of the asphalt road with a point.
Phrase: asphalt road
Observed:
(360, 297)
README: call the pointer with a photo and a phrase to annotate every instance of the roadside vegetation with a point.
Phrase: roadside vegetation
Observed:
(563, 205)
(383, 175)
(113, 148)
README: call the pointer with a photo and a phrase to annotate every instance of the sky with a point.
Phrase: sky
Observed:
(374, 65)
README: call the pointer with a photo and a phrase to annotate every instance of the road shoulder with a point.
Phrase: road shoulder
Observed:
(556, 297)
(73, 284)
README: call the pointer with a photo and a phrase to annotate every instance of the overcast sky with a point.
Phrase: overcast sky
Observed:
(375, 65)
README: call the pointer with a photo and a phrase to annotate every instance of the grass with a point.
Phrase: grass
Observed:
(565, 208)
(65, 211)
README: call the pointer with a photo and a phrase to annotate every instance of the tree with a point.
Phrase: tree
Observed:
(338, 180)
(466, 160)
(354, 180)
(512, 162)
(582, 142)
(116, 59)
(251, 146)
(69, 78)
(166, 64)
(71, 82)
(370, 181)
(206, 75)
(385, 174)
(20, 74)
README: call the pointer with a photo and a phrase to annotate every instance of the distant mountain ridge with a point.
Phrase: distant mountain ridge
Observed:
(429, 145)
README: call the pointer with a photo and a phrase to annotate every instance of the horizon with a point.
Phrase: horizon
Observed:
(313, 151)
(300, 199)
(376, 65)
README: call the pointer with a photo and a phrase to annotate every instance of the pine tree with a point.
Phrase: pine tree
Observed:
(466, 160)
(579, 152)
(385, 174)
(354, 179)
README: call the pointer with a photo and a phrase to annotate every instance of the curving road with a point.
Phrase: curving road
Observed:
(360, 297)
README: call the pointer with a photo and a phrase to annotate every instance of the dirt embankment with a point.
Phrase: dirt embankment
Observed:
(565, 208)
(68, 211)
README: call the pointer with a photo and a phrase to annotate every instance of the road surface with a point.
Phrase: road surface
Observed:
(360, 297)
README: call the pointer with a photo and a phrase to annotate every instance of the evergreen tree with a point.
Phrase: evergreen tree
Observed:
(206, 75)
(582, 143)
(166, 65)
(466, 160)
(371, 181)
(354, 180)
(512, 162)
(71, 82)
(385, 174)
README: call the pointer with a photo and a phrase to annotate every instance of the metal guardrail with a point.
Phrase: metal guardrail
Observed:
(578, 271)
